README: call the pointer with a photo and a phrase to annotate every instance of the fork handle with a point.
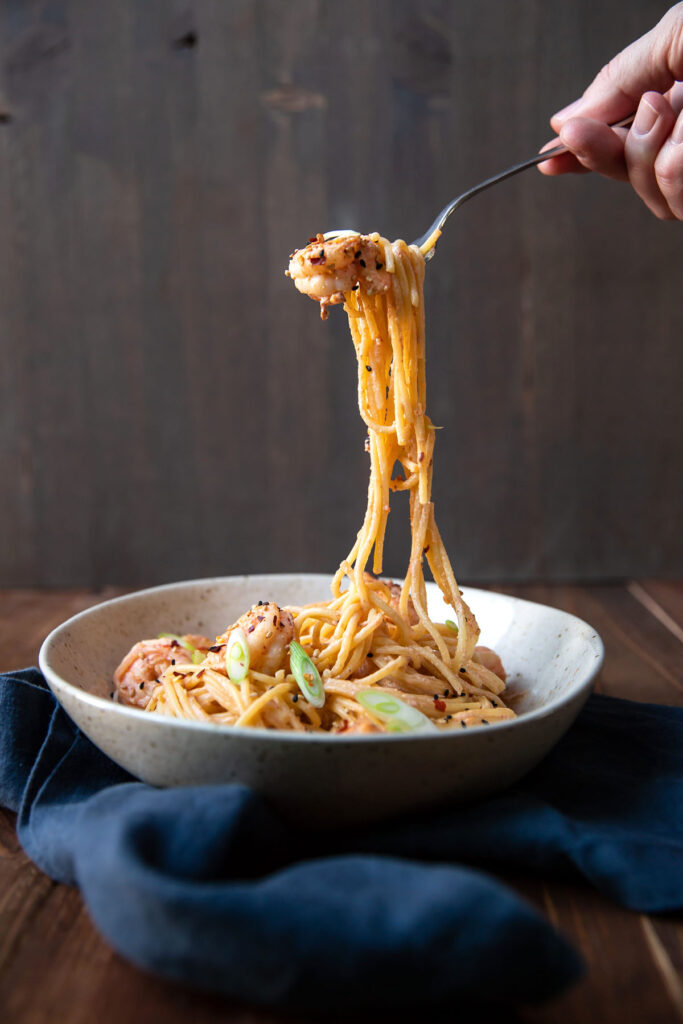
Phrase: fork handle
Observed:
(502, 176)
(538, 159)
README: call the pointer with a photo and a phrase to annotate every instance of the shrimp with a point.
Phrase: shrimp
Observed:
(139, 672)
(324, 270)
(490, 660)
(268, 630)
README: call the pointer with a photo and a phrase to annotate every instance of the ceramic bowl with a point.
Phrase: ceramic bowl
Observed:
(551, 658)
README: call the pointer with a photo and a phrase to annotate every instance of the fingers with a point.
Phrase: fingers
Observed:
(669, 169)
(566, 163)
(675, 97)
(654, 61)
(651, 129)
(596, 146)
(593, 146)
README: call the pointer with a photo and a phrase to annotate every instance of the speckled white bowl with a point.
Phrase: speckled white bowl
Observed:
(551, 658)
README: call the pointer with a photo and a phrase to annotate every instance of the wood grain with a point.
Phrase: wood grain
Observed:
(171, 408)
(643, 658)
(54, 965)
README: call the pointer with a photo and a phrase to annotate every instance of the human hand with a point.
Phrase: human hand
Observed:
(645, 76)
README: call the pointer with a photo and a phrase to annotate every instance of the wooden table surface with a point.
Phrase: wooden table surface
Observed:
(54, 967)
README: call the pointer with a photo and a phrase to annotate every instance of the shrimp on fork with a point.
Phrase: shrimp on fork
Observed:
(325, 269)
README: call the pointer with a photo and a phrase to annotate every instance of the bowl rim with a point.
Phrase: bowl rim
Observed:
(580, 687)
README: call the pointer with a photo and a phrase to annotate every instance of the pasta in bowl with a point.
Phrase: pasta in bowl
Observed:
(551, 659)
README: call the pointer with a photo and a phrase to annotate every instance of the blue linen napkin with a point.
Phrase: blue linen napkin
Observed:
(208, 885)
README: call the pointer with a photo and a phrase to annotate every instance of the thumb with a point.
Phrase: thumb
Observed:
(655, 61)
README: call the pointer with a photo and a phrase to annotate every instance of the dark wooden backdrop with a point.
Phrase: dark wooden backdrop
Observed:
(170, 407)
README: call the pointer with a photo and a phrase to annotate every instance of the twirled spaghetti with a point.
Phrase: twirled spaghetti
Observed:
(369, 659)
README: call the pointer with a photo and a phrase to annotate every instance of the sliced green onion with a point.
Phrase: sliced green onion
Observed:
(197, 655)
(237, 656)
(396, 714)
(306, 675)
(452, 625)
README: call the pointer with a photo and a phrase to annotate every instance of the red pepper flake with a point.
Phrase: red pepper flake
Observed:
(251, 628)
(313, 239)
(440, 705)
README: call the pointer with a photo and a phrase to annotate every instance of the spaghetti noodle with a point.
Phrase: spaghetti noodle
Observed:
(370, 658)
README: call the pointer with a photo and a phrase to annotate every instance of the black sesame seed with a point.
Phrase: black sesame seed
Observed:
(436, 696)
(463, 670)
(368, 368)
(295, 697)
(484, 721)
(141, 686)
(463, 725)
(362, 262)
(446, 693)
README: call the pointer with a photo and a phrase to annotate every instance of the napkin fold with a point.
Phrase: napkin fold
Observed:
(210, 886)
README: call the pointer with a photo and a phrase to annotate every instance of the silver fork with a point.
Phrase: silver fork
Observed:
(483, 185)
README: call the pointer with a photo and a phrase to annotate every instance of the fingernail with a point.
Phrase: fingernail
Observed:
(646, 118)
(677, 133)
(567, 112)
